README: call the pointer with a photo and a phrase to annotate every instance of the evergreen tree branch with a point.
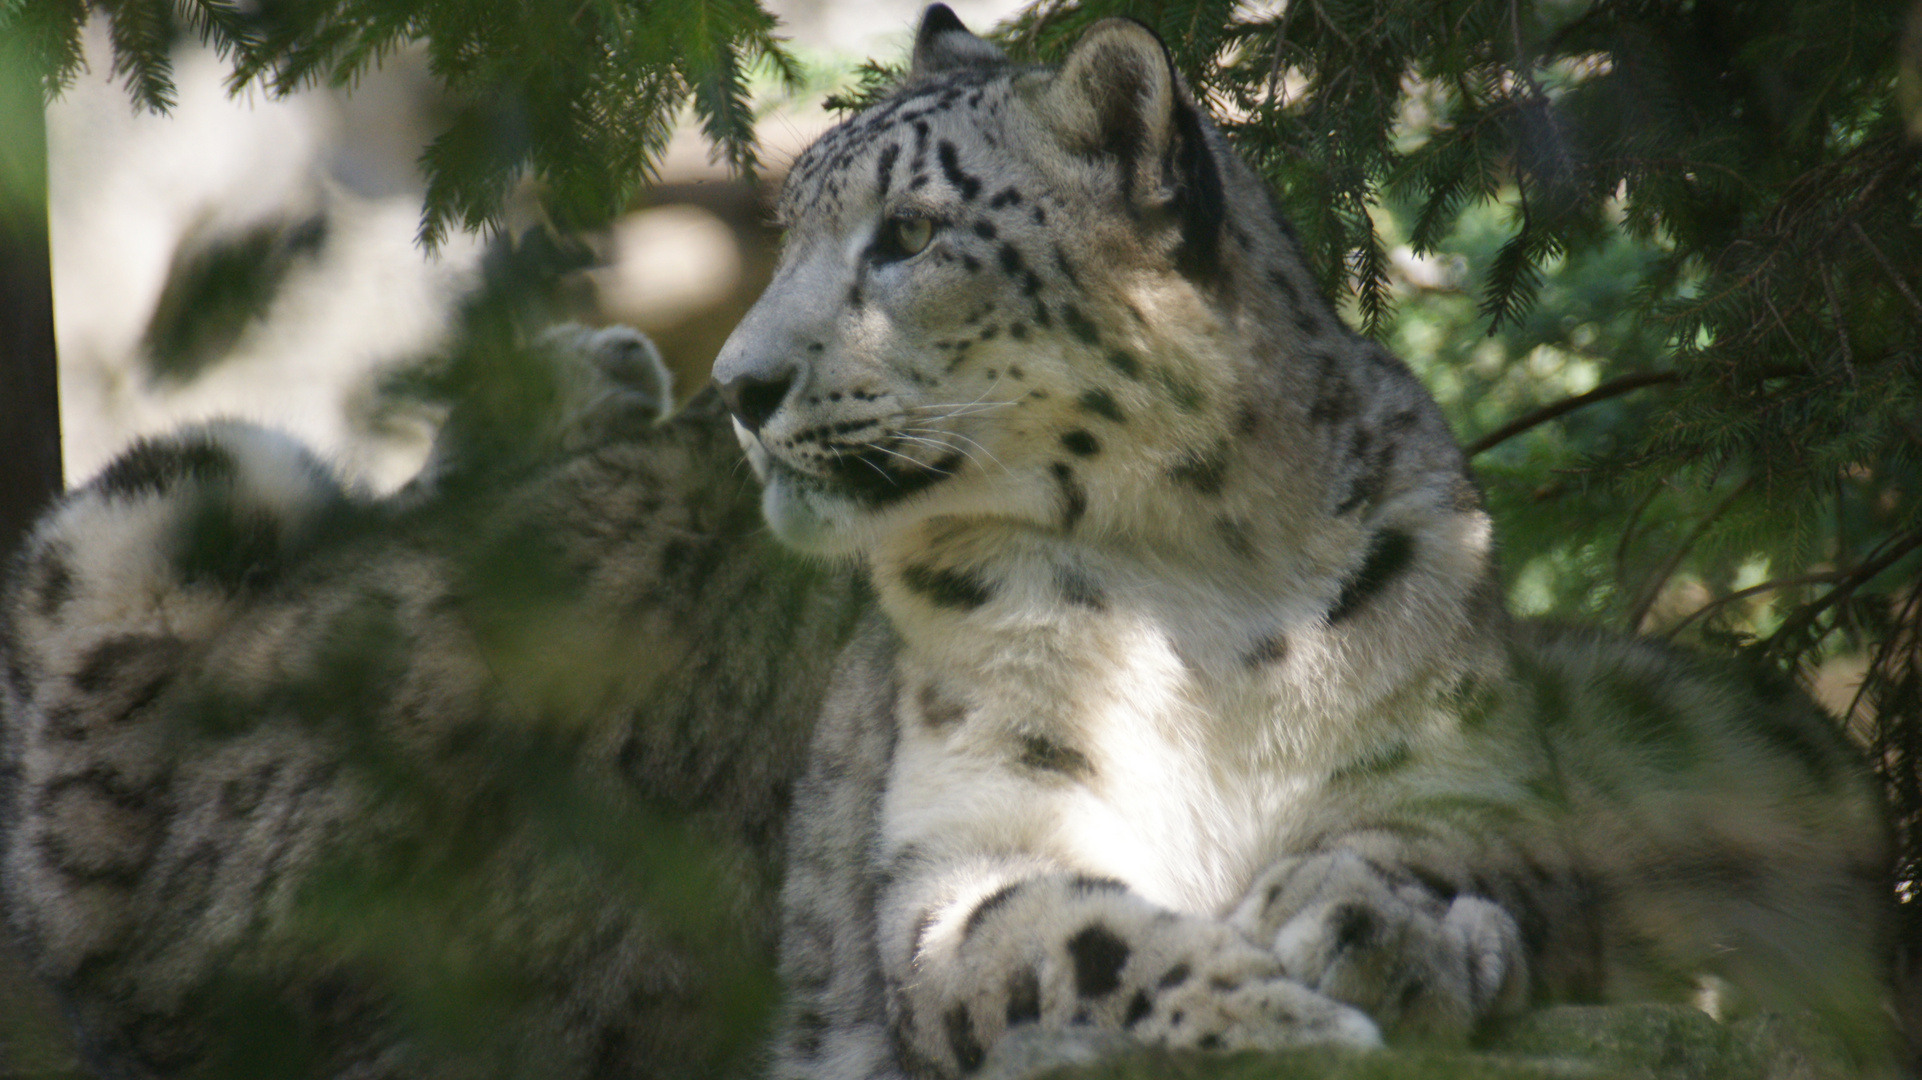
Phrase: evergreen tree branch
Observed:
(1892, 552)
(1610, 389)
(1281, 42)
(1826, 275)
(1330, 25)
(1628, 529)
(1645, 598)
(1879, 663)
(1791, 582)
(1895, 276)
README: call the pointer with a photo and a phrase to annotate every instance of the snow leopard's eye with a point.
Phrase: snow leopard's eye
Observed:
(904, 236)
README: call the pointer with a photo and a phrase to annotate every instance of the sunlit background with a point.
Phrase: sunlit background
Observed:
(256, 257)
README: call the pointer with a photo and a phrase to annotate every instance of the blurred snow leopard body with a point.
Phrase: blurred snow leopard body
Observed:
(236, 689)
(1197, 718)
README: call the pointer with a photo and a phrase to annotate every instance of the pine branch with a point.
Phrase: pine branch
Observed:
(1792, 582)
(46, 34)
(872, 82)
(1652, 589)
(1892, 552)
(1610, 389)
(1895, 276)
(1513, 278)
(721, 101)
(1879, 662)
(1824, 275)
(142, 36)
(1373, 291)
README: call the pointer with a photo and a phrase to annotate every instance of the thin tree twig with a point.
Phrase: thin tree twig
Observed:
(1645, 598)
(1823, 274)
(1822, 578)
(1281, 41)
(1609, 389)
(1783, 324)
(1875, 669)
(1628, 529)
(1322, 14)
(1847, 585)
(1909, 429)
(1895, 277)
(1524, 67)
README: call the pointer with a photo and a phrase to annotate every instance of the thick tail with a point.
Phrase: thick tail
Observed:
(115, 589)
(152, 557)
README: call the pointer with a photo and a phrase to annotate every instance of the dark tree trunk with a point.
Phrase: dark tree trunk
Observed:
(29, 394)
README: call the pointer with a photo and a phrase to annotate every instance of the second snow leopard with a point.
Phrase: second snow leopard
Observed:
(1196, 714)
(302, 783)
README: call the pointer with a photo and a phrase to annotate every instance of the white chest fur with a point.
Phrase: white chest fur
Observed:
(1140, 733)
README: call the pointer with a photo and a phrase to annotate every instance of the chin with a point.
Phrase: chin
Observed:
(810, 520)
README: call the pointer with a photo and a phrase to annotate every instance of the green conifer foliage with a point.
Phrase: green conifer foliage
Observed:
(582, 95)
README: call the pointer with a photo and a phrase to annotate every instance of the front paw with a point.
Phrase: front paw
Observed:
(1418, 962)
(1203, 986)
(613, 384)
(1239, 999)
(1150, 977)
(574, 389)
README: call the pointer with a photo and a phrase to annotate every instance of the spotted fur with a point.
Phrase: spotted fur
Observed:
(231, 683)
(1195, 715)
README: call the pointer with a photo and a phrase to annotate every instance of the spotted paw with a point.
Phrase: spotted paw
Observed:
(1416, 960)
(1259, 1014)
(612, 379)
(1237, 997)
(584, 388)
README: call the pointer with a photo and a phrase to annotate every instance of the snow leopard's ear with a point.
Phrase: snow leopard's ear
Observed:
(943, 44)
(1117, 100)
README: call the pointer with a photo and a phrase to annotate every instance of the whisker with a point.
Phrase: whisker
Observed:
(957, 414)
(977, 405)
(958, 405)
(957, 435)
(906, 458)
(983, 448)
(943, 447)
(950, 411)
(973, 407)
(884, 473)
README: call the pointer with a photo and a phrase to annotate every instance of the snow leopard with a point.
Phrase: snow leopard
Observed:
(485, 778)
(1196, 718)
